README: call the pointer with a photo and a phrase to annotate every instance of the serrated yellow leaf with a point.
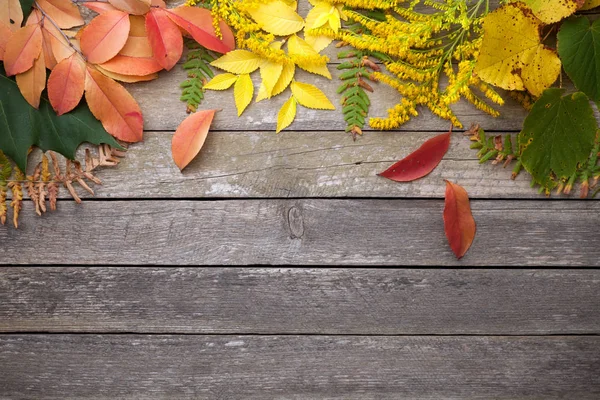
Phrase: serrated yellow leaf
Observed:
(316, 69)
(311, 96)
(589, 4)
(287, 75)
(277, 18)
(243, 92)
(238, 62)
(550, 11)
(262, 93)
(319, 43)
(287, 114)
(318, 15)
(270, 73)
(299, 47)
(334, 20)
(221, 82)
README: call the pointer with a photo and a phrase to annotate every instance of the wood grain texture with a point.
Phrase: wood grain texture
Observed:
(298, 367)
(344, 232)
(299, 301)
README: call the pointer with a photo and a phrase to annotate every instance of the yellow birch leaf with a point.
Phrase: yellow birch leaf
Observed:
(287, 75)
(318, 15)
(589, 4)
(334, 20)
(277, 18)
(512, 56)
(299, 47)
(262, 93)
(319, 43)
(238, 62)
(270, 73)
(287, 114)
(550, 11)
(221, 82)
(243, 92)
(311, 96)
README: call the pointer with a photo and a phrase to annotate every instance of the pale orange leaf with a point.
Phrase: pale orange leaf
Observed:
(36, 18)
(11, 14)
(137, 44)
(127, 78)
(105, 36)
(58, 44)
(458, 219)
(198, 22)
(66, 84)
(135, 7)
(165, 38)
(5, 34)
(63, 12)
(114, 107)
(190, 136)
(23, 48)
(32, 82)
(99, 6)
(158, 3)
(125, 65)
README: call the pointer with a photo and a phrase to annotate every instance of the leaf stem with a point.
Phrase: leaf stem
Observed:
(67, 39)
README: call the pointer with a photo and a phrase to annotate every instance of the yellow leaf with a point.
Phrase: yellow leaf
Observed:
(512, 55)
(277, 18)
(319, 43)
(287, 114)
(334, 20)
(270, 73)
(262, 93)
(311, 96)
(238, 62)
(287, 74)
(221, 82)
(589, 4)
(299, 47)
(243, 92)
(550, 11)
(318, 15)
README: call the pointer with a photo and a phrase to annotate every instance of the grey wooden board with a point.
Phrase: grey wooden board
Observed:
(345, 232)
(298, 367)
(299, 301)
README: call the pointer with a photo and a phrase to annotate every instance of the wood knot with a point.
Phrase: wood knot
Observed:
(295, 222)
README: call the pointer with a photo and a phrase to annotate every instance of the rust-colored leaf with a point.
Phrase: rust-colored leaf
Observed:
(11, 14)
(165, 38)
(198, 22)
(99, 6)
(24, 47)
(32, 82)
(458, 220)
(135, 7)
(190, 136)
(132, 65)
(66, 84)
(114, 107)
(63, 12)
(5, 35)
(105, 36)
(421, 162)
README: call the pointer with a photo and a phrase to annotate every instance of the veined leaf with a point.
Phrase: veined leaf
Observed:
(135, 7)
(165, 38)
(458, 220)
(66, 84)
(298, 46)
(137, 44)
(127, 78)
(287, 114)
(311, 96)
(243, 91)
(550, 11)
(35, 18)
(190, 137)
(198, 22)
(63, 12)
(105, 36)
(319, 43)
(124, 65)
(58, 44)
(270, 72)
(11, 14)
(23, 49)
(277, 18)
(221, 82)
(33, 81)
(99, 7)
(287, 75)
(238, 62)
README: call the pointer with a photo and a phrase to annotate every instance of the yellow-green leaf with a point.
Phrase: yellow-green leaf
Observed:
(238, 62)
(287, 114)
(550, 11)
(270, 73)
(277, 18)
(221, 82)
(311, 96)
(243, 92)
(286, 77)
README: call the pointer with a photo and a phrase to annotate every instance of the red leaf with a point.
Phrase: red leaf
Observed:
(198, 22)
(458, 220)
(165, 38)
(421, 162)
(66, 84)
(190, 136)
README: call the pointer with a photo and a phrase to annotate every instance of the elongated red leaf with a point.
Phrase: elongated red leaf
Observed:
(165, 38)
(421, 162)
(198, 23)
(458, 220)
(190, 136)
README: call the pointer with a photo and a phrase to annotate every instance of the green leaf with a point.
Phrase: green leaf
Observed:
(558, 134)
(579, 50)
(26, 6)
(22, 126)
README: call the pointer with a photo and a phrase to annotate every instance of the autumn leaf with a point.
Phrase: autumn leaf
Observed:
(66, 84)
(420, 162)
(114, 107)
(11, 15)
(550, 11)
(287, 114)
(243, 92)
(23, 49)
(137, 44)
(5, 35)
(190, 136)
(238, 62)
(311, 96)
(165, 38)
(221, 82)
(458, 219)
(105, 36)
(512, 55)
(32, 82)
(277, 18)
(56, 42)
(198, 22)
(286, 77)
(299, 47)
(589, 4)
(63, 13)
(99, 6)
(135, 7)
(127, 78)
(125, 65)
(270, 72)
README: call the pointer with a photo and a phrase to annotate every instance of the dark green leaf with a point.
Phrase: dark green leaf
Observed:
(26, 6)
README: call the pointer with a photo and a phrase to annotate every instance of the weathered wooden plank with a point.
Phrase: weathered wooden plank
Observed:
(344, 232)
(298, 367)
(301, 164)
(299, 301)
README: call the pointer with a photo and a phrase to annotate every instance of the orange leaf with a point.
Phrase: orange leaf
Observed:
(137, 44)
(11, 14)
(114, 107)
(158, 3)
(36, 18)
(190, 136)
(135, 7)
(165, 38)
(58, 44)
(99, 6)
(31, 83)
(63, 12)
(23, 48)
(198, 22)
(5, 34)
(66, 84)
(127, 78)
(458, 220)
(132, 65)
(105, 36)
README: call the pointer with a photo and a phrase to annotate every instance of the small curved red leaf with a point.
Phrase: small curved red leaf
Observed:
(190, 136)
(198, 22)
(458, 219)
(421, 162)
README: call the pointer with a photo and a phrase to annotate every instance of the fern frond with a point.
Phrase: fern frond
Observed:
(199, 72)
